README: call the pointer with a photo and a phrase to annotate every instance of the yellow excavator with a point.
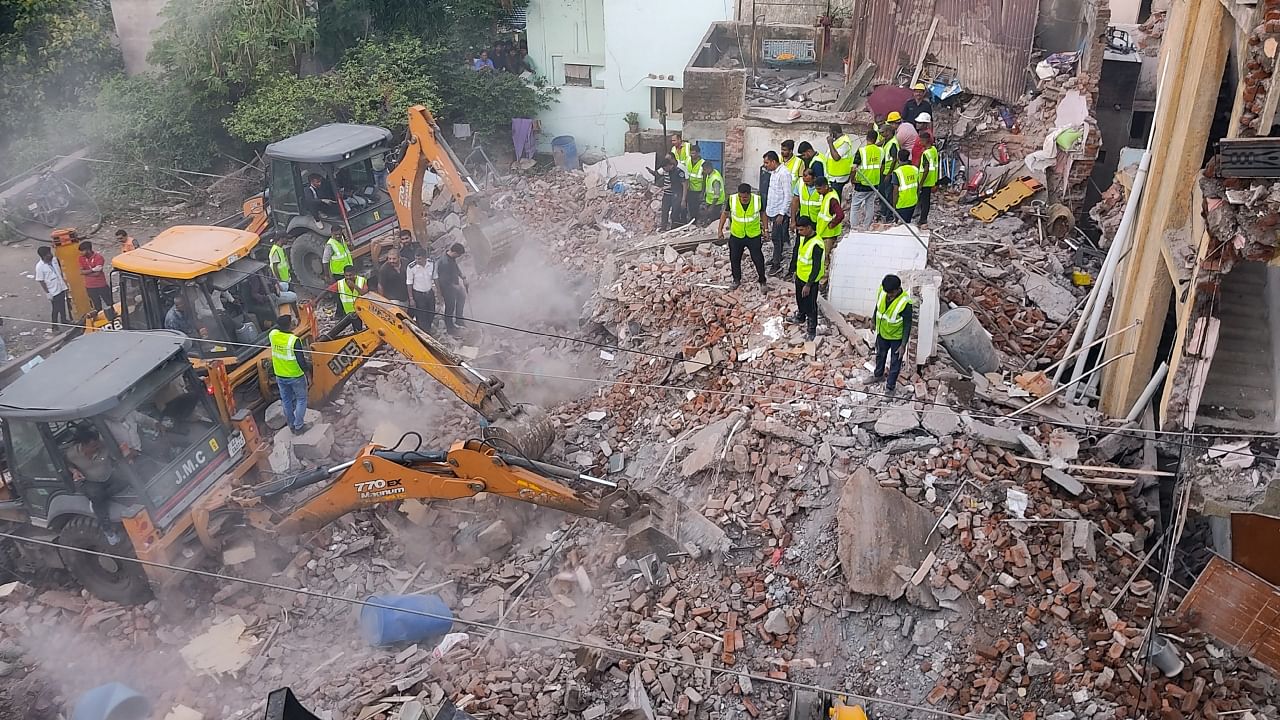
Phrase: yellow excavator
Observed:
(125, 413)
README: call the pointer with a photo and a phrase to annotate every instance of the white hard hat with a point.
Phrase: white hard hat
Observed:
(924, 118)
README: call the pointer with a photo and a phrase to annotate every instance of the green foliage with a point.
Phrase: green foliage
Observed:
(376, 83)
(227, 48)
(149, 126)
(53, 53)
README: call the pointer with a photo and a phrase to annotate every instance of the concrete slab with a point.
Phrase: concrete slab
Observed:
(878, 530)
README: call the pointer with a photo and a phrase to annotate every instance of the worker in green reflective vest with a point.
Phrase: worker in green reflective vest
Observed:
(793, 163)
(695, 177)
(336, 255)
(889, 147)
(714, 194)
(349, 287)
(839, 158)
(745, 214)
(811, 270)
(278, 257)
(929, 166)
(867, 165)
(906, 187)
(892, 325)
(679, 149)
(290, 365)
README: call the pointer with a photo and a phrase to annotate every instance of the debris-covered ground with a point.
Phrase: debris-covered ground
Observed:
(920, 553)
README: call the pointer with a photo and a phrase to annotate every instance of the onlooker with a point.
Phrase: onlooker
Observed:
(391, 279)
(892, 326)
(451, 286)
(93, 269)
(670, 177)
(919, 103)
(482, 63)
(290, 364)
(518, 61)
(420, 275)
(49, 275)
(744, 212)
(778, 207)
(923, 125)
(126, 241)
(811, 269)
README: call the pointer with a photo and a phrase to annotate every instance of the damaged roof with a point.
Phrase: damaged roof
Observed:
(987, 41)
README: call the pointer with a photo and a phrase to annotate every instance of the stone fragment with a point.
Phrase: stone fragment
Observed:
(495, 536)
(1037, 667)
(706, 445)
(773, 427)
(776, 623)
(315, 443)
(1063, 480)
(897, 420)
(992, 435)
(940, 421)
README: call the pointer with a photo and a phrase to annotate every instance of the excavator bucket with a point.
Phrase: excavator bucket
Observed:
(664, 525)
(529, 432)
(491, 237)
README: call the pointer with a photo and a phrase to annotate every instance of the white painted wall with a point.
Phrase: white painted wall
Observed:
(1124, 12)
(655, 37)
(863, 259)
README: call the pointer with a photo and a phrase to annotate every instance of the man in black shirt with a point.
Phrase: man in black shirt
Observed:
(919, 103)
(670, 177)
(451, 286)
(391, 279)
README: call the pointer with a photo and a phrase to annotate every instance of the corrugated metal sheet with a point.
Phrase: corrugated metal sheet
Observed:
(1238, 608)
(987, 41)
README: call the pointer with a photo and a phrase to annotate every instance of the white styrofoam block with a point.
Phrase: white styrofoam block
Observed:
(863, 259)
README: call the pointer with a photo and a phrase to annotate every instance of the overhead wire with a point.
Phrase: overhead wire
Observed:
(558, 639)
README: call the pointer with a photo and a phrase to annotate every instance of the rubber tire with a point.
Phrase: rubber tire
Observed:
(128, 585)
(308, 272)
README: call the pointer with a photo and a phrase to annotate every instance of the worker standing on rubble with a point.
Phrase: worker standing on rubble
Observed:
(777, 208)
(290, 365)
(892, 328)
(830, 220)
(868, 162)
(811, 269)
(336, 255)
(695, 182)
(793, 163)
(805, 202)
(889, 147)
(906, 187)
(919, 102)
(349, 287)
(813, 160)
(840, 158)
(670, 177)
(714, 196)
(679, 149)
(746, 215)
(278, 258)
(929, 166)
(451, 286)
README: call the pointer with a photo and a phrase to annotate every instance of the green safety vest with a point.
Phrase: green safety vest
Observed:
(284, 361)
(340, 257)
(838, 170)
(348, 294)
(931, 177)
(280, 259)
(715, 188)
(870, 165)
(889, 319)
(890, 160)
(804, 259)
(694, 174)
(825, 228)
(681, 154)
(744, 222)
(810, 202)
(796, 167)
(908, 179)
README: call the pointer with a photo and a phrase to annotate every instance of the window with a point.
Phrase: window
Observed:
(577, 75)
(670, 100)
(284, 191)
(30, 455)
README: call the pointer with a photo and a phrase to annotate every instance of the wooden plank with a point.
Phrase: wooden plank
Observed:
(1238, 608)
(924, 53)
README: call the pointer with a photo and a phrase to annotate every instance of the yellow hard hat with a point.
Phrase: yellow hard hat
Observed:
(894, 116)
(918, 86)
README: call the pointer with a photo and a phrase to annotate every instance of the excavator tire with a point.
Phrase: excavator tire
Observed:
(117, 581)
(309, 273)
(530, 431)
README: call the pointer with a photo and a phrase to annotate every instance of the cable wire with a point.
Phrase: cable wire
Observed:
(491, 627)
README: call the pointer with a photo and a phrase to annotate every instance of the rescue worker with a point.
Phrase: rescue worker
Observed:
(290, 365)
(892, 326)
(889, 147)
(830, 222)
(804, 203)
(868, 162)
(336, 255)
(745, 214)
(695, 181)
(811, 269)
(278, 257)
(679, 149)
(813, 160)
(923, 125)
(906, 187)
(349, 287)
(840, 159)
(714, 196)
(793, 163)
(930, 164)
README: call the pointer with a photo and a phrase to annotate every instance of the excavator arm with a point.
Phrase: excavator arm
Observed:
(524, 428)
(378, 476)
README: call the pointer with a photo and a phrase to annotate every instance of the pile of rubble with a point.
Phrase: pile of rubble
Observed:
(796, 90)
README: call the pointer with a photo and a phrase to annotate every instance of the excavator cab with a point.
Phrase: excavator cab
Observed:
(116, 418)
(330, 179)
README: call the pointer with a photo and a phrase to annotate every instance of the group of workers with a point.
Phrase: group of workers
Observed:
(805, 198)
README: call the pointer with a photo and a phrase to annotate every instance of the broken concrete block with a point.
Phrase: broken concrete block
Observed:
(1063, 480)
(776, 428)
(706, 445)
(315, 443)
(992, 435)
(654, 632)
(924, 633)
(242, 551)
(776, 623)
(274, 416)
(494, 537)
(897, 420)
(282, 459)
(1057, 302)
(879, 529)
(1033, 448)
(940, 421)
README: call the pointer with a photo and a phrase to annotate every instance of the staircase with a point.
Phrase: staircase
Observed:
(1240, 393)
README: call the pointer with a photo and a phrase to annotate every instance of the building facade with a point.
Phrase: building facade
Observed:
(613, 57)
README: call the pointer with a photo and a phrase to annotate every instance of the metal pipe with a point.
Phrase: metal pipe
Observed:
(1118, 247)
(1147, 392)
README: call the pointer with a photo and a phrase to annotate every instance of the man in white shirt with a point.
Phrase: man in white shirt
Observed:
(54, 284)
(420, 275)
(778, 208)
